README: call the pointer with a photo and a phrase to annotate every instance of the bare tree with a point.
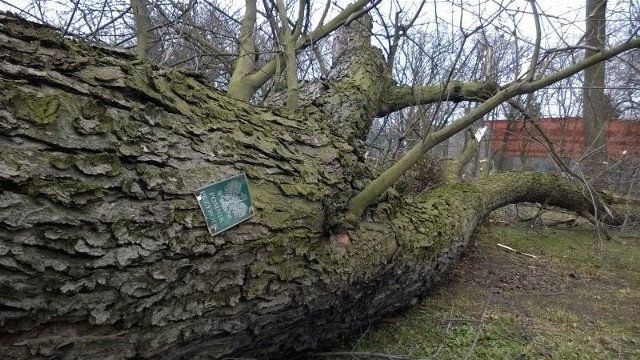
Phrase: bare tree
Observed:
(597, 107)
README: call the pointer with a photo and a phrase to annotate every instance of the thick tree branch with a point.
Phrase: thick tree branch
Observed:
(454, 167)
(373, 190)
(253, 82)
(400, 97)
(246, 63)
(595, 195)
(289, 38)
(141, 18)
(105, 252)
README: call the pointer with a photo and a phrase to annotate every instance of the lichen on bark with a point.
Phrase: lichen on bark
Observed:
(104, 252)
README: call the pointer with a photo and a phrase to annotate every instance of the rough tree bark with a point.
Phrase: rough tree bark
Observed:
(104, 253)
(596, 104)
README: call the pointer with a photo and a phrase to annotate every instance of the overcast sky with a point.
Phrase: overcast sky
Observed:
(563, 16)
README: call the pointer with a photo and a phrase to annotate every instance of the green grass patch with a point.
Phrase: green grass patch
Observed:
(578, 299)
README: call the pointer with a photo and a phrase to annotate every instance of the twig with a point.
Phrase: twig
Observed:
(435, 354)
(361, 337)
(571, 222)
(505, 247)
(364, 355)
(594, 221)
(598, 202)
(484, 313)
(73, 14)
(460, 320)
(530, 219)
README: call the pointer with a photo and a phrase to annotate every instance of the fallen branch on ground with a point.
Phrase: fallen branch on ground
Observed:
(505, 247)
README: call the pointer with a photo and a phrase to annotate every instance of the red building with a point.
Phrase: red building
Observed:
(521, 139)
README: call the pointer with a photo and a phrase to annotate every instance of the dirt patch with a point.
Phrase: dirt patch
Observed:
(516, 280)
(549, 294)
(486, 266)
(578, 299)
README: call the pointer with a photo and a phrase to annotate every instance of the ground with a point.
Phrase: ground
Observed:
(578, 299)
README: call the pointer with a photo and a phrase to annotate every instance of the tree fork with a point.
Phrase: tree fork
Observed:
(104, 252)
(358, 204)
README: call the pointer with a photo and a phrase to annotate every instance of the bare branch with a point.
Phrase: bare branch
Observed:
(245, 65)
(141, 17)
(254, 81)
(370, 193)
(536, 48)
(73, 14)
(401, 97)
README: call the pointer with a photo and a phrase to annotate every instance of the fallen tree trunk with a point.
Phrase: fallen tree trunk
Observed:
(104, 252)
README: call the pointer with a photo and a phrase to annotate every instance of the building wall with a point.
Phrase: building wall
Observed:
(520, 146)
(520, 139)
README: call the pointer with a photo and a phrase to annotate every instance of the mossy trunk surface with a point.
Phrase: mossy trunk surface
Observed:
(104, 252)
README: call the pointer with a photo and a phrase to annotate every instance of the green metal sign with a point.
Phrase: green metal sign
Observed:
(226, 203)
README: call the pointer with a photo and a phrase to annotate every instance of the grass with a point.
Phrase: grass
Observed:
(579, 299)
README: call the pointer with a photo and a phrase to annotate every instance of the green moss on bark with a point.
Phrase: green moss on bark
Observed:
(99, 164)
(40, 110)
(66, 191)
